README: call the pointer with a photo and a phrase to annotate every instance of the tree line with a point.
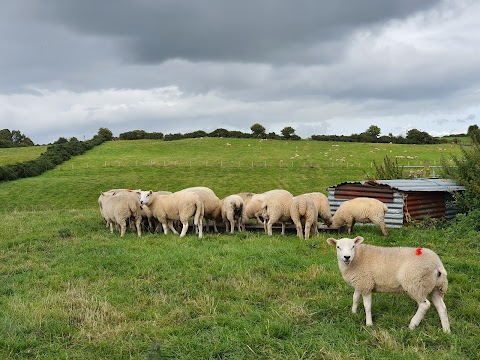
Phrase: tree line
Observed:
(56, 153)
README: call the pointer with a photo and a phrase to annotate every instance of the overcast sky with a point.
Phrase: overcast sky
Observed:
(68, 68)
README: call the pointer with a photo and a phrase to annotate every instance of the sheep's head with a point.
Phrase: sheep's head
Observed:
(345, 248)
(146, 197)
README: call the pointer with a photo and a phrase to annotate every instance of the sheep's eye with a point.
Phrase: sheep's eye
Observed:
(353, 247)
(338, 247)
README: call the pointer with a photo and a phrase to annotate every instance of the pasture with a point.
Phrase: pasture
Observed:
(70, 289)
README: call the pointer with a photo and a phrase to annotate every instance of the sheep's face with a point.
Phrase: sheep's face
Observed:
(345, 248)
(146, 197)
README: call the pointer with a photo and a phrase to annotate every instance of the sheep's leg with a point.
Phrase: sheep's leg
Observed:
(356, 298)
(384, 229)
(298, 226)
(200, 228)
(172, 227)
(138, 224)
(123, 228)
(283, 228)
(111, 226)
(307, 230)
(367, 304)
(423, 306)
(437, 300)
(232, 226)
(165, 228)
(269, 228)
(184, 228)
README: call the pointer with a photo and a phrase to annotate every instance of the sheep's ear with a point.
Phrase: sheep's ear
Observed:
(358, 240)
(332, 241)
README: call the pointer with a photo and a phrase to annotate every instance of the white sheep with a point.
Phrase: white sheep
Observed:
(360, 209)
(233, 211)
(276, 208)
(118, 208)
(177, 206)
(211, 202)
(417, 271)
(253, 209)
(323, 207)
(304, 211)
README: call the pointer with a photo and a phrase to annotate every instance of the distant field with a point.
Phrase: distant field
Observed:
(71, 290)
(18, 155)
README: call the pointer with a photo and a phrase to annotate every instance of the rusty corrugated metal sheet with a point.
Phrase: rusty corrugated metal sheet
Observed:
(350, 191)
(421, 204)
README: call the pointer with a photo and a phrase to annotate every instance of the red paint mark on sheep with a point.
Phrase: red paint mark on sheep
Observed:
(418, 251)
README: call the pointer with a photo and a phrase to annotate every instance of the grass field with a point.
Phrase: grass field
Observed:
(70, 289)
(17, 155)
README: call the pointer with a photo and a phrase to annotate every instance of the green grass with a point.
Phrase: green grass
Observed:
(70, 289)
(17, 155)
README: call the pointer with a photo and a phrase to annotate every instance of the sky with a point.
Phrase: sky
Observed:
(68, 68)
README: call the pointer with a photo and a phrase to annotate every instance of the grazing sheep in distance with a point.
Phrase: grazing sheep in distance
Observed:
(177, 206)
(360, 209)
(276, 208)
(233, 211)
(417, 271)
(303, 210)
(118, 208)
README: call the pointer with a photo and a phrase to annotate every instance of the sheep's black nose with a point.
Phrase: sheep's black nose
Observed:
(346, 257)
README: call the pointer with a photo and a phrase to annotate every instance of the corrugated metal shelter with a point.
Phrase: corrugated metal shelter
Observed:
(406, 199)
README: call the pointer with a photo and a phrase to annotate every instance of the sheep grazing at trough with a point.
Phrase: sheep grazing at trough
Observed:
(276, 209)
(177, 206)
(418, 272)
(253, 209)
(304, 212)
(212, 204)
(233, 211)
(363, 210)
(323, 207)
(118, 207)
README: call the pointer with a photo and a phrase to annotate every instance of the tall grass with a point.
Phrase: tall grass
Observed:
(70, 289)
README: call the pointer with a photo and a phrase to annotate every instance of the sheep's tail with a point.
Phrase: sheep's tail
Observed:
(385, 208)
(199, 211)
(442, 281)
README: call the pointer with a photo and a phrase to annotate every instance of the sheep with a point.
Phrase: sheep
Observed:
(117, 208)
(360, 209)
(211, 202)
(246, 196)
(323, 207)
(303, 208)
(418, 272)
(233, 210)
(177, 206)
(276, 208)
(253, 209)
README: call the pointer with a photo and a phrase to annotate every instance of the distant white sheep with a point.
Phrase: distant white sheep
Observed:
(233, 211)
(276, 208)
(118, 208)
(363, 210)
(177, 206)
(419, 272)
(304, 211)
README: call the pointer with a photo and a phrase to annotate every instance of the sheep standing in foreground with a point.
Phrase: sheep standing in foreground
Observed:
(118, 208)
(304, 211)
(233, 211)
(276, 208)
(363, 210)
(418, 272)
(177, 206)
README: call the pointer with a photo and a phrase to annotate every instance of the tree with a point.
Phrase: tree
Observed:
(287, 132)
(258, 131)
(472, 129)
(415, 136)
(105, 134)
(373, 131)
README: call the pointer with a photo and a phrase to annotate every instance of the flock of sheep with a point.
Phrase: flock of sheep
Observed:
(417, 272)
(163, 208)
